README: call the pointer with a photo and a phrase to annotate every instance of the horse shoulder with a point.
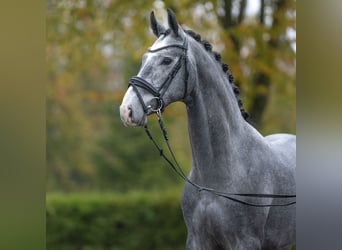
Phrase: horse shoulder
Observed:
(221, 224)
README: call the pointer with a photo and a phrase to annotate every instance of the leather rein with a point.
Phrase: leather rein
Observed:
(137, 82)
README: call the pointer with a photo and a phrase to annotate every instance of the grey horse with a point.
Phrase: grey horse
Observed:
(228, 154)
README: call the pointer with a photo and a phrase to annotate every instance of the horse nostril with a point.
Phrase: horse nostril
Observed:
(130, 113)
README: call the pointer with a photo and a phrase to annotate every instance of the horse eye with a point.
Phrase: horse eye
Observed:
(166, 61)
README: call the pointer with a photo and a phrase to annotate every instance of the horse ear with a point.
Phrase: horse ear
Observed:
(173, 24)
(156, 27)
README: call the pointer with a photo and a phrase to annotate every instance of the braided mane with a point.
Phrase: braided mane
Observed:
(208, 47)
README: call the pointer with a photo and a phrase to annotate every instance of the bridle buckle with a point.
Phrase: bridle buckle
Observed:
(159, 106)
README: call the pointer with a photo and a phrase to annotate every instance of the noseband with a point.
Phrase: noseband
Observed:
(138, 82)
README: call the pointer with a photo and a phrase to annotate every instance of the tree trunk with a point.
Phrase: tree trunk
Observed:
(260, 100)
(262, 81)
(229, 21)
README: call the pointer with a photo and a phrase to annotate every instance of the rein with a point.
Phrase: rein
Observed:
(178, 170)
(138, 82)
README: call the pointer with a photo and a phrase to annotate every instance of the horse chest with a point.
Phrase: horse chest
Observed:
(205, 214)
(215, 214)
(222, 223)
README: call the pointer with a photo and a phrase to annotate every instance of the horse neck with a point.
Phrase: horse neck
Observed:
(216, 126)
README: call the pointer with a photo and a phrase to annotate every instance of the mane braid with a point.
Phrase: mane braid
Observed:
(225, 68)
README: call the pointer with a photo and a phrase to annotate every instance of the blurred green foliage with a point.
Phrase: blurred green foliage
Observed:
(138, 220)
(94, 47)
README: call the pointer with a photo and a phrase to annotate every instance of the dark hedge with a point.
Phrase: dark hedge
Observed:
(114, 221)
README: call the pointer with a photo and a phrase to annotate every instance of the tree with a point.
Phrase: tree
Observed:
(271, 37)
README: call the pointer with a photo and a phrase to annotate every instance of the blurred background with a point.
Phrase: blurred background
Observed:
(107, 188)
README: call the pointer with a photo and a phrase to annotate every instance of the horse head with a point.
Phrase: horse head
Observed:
(163, 77)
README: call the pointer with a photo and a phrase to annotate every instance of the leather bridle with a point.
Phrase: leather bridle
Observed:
(158, 93)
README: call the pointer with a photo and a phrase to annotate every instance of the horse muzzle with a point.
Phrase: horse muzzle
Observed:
(131, 112)
(130, 117)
